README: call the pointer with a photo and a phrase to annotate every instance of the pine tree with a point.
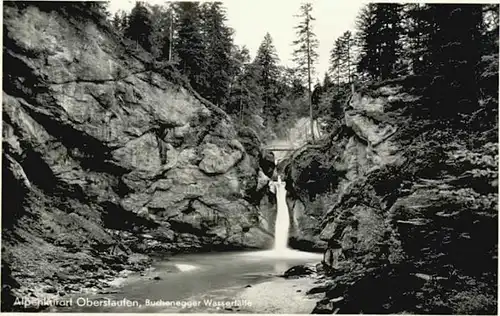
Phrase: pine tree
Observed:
(116, 22)
(347, 59)
(139, 28)
(389, 17)
(266, 63)
(120, 22)
(378, 34)
(290, 83)
(240, 57)
(366, 34)
(162, 29)
(189, 45)
(327, 82)
(246, 94)
(336, 61)
(219, 43)
(415, 34)
(342, 59)
(454, 56)
(305, 55)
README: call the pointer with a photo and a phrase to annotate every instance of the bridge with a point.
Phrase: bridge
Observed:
(280, 148)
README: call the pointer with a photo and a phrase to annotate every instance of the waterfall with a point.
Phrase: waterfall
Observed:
(282, 218)
(282, 225)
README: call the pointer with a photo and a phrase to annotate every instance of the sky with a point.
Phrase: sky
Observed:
(252, 19)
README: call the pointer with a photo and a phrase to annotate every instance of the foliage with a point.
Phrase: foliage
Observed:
(305, 55)
(139, 27)
(162, 32)
(218, 45)
(189, 45)
(342, 59)
(266, 63)
(378, 36)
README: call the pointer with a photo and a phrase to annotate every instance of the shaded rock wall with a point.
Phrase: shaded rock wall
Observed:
(402, 200)
(106, 154)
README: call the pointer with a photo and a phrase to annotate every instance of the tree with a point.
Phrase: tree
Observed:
(378, 33)
(116, 22)
(316, 94)
(189, 45)
(336, 61)
(119, 22)
(327, 82)
(219, 43)
(454, 56)
(305, 55)
(162, 31)
(245, 99)
(347, 55)
(266, 63)
(416, 30)
(240, 58)
(139, 26)
(342, 59)
(292, 82)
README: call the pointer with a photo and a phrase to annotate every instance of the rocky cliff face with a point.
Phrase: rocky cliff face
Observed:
(407, 204)
(106, 155)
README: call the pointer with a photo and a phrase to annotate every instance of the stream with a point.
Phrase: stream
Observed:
(200, 282)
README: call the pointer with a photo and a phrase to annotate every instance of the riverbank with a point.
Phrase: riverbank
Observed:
(281, 296)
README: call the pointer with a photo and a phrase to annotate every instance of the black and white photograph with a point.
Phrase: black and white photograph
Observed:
(250, 157)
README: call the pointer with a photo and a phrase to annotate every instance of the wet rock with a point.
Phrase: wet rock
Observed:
(320, 268)
(262, 180)
(50, 290)
(319, 289)
(297, 271)
(267, 162)
(71, 288)
(88, 267)
(327, 306)
(117, 267)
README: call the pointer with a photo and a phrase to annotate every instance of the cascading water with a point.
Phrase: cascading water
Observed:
(282, 218)
(282, 226)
